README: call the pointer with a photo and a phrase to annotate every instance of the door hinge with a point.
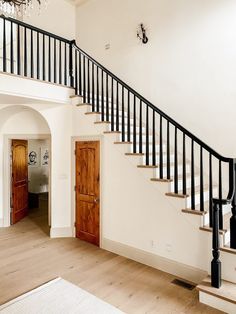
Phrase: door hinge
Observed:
(75, 151)
(75, 224)
(75, 188)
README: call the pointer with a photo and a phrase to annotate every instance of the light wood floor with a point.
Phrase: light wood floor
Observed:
(28, 258)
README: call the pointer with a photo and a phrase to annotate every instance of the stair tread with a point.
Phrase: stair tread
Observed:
(209, 229)
(226, 292)
(194, 212)
(226, 248)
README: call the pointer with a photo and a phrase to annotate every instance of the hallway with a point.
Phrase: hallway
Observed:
(29, 258)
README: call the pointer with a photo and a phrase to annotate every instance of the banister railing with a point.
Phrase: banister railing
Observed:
(197, 172)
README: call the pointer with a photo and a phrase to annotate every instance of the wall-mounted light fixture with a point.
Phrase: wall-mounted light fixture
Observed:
(141, 34)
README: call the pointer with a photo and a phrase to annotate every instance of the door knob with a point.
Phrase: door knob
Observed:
(96, 200)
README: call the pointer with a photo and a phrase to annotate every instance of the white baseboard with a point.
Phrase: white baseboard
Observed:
(177, 269)
(65, 232)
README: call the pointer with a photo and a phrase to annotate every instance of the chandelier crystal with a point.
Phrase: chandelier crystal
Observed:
(14, 8)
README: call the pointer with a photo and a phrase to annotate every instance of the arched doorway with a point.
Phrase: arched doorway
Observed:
(23, 124)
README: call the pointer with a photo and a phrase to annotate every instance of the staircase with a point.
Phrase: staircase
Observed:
(166, 152)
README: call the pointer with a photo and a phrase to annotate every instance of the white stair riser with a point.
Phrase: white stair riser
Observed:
(217, 303)
(172, 170)
(188, 183)
(226, 209)
(197, 198)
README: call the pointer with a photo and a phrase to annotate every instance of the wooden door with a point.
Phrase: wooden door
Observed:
(87, 191)
(19, 180)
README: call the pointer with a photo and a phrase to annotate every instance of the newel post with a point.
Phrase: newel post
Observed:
(216, 263)
(71, 68)
(233, 218)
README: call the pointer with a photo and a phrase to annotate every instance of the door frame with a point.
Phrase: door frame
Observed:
(73, 181)
(7, 141)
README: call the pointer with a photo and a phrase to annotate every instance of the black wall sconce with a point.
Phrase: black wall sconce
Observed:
(141, 34)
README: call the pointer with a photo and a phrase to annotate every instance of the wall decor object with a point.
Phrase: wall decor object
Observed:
(44, 156)
(33, 158)
(142, 34)
(16, 8)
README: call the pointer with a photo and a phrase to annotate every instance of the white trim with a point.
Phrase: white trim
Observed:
(73, 211)
(63, 232)
(177, 269)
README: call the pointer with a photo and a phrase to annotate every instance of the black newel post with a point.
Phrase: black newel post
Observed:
(233, 219)
(71, 70)
(216, 263)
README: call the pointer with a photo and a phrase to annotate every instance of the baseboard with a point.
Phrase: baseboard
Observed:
(177, 269)
(65, 232)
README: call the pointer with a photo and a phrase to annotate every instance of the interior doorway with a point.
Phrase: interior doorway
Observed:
(30, 177)
(88, 191)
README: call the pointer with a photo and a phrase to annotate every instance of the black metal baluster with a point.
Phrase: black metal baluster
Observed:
(32, 54)
(60, 67)
(112, 105)
(117, 107)
(215, 264)
(153, 138)
(12, 51)
(192, 178)
(107, 99)
(38, 58)
(49, 59)
(220, 197)
(123, 115)
(65, 65)
(4, 47)
(147, 135)
(141, 127)
(44, 66)
(176, 178)
(80, 76)
(25, 52)
(161, 151)
(88, 82)
(134, 128)
(168, 151)
(55, 61)
(184, 166)
(232, 176)
(98, 91)
(102, 87)
(76, 72)
(210, 191)
(128, 117)
(201, 181)
(84, 80)
(93, 89)
(18, 51)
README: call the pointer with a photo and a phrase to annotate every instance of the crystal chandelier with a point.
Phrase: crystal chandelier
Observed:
(16, 8)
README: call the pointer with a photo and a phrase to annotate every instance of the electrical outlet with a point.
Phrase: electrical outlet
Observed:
(168, 247)
(153, 244)
(107, 46)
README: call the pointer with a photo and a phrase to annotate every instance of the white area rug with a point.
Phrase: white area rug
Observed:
(58, 297)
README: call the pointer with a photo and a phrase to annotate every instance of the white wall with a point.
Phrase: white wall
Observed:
(57, 18)
(38, 176)
(188, 68)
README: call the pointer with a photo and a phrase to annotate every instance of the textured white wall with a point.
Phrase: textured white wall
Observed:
(58, 18)
(188, 68)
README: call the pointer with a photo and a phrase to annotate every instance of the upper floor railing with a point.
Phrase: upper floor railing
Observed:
(199, 174)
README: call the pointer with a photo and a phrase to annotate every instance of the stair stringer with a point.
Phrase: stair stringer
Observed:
(136, 212)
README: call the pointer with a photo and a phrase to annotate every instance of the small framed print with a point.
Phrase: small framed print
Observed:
(44, 156)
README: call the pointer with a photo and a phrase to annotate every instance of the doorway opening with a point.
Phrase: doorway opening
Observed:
(30, 178)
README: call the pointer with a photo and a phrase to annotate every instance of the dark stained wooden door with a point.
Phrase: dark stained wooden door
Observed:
(19, 180)
(87, 191)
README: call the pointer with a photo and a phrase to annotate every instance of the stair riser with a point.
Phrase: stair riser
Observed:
(226, 209)
(188, 183)
(217, 303)
(172, 158)
(197, 198)
(172, 170)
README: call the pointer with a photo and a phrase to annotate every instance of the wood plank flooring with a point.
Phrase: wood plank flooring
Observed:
(28, 258)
